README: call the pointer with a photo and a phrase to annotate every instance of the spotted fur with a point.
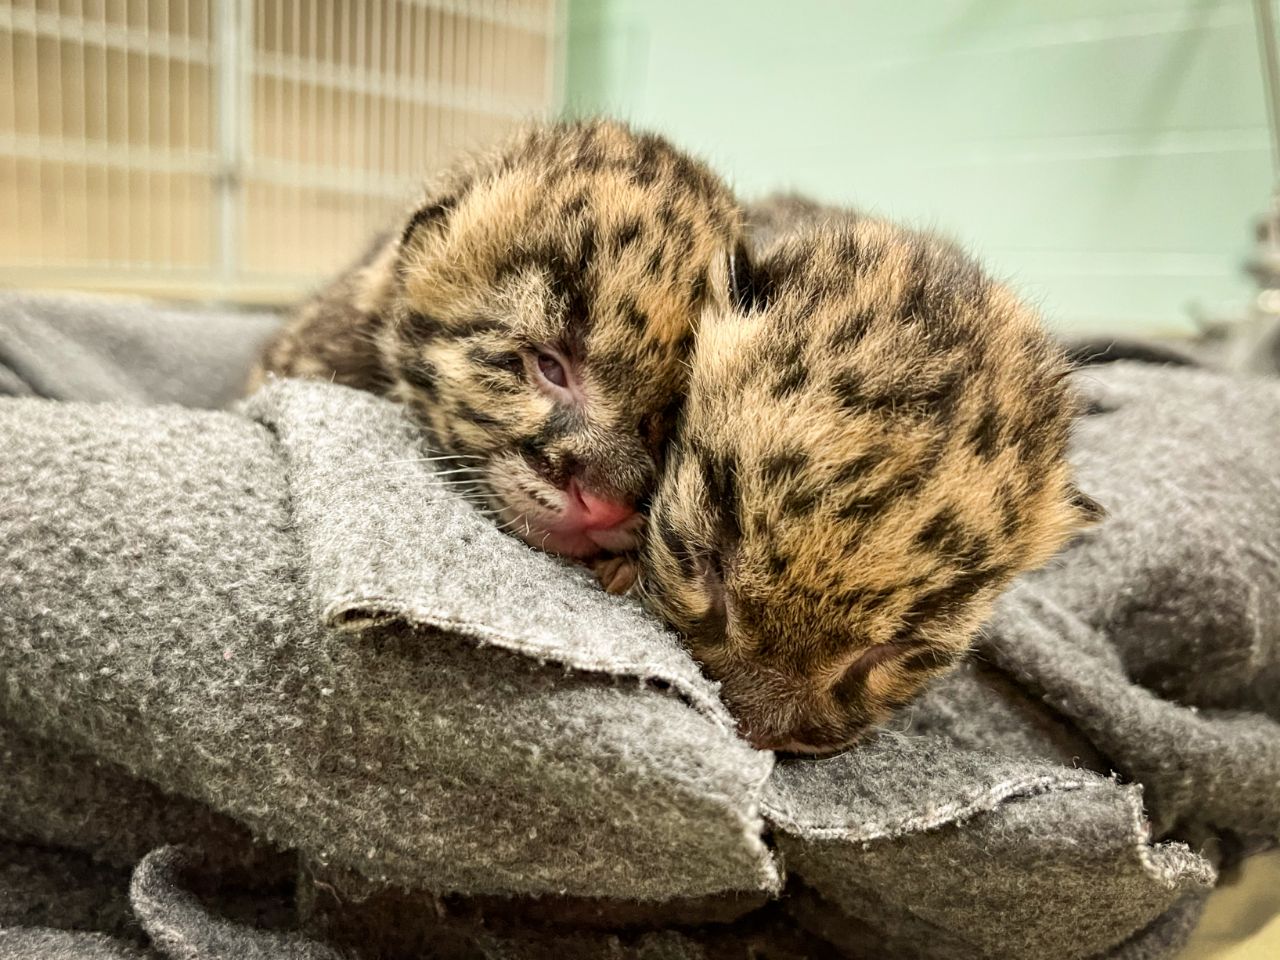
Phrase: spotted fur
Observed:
(873, 444)
(597, 243)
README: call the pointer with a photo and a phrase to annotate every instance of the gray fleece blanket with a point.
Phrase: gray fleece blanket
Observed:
(268, 689)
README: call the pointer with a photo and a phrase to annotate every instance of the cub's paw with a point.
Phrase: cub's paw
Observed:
(616, 574)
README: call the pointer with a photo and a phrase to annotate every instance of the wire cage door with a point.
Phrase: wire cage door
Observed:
(240, 149)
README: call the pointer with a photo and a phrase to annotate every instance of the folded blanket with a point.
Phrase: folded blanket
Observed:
(1249, 345)
(68, 347)
(265, 666)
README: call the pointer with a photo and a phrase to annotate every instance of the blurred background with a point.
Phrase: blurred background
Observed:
(1108, 156)
(240, 149)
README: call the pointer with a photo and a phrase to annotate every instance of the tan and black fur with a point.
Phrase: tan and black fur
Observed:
(769, 219)
(873, 444)
(592, 241)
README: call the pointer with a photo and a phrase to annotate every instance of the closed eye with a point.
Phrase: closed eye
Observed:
(548, 369)
(552, 370)
(508, 362)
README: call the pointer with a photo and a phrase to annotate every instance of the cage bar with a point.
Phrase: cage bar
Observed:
(242, 149)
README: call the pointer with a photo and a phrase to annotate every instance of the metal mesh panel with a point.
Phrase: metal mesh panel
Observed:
(243, 148)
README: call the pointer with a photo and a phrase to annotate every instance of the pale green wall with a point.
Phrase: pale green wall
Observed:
(1106, 155)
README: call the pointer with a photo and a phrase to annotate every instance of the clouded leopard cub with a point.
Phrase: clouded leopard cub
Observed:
(872, 446)
(535, 312)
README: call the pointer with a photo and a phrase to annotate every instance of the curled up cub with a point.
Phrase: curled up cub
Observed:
(873, 444)
(535, 312)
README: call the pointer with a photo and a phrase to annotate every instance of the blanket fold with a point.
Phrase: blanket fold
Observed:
(374, 566)
(160, 616)
(73, 347)
(1043, 847)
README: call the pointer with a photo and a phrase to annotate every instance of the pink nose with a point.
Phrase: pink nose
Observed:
(598, 514)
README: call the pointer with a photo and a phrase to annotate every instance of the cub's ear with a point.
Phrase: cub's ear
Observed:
(429, 216)
(1088, 510)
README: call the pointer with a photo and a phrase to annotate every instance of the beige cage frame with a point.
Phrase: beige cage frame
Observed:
(240, 149)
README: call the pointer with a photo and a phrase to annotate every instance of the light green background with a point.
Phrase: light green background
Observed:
(1107, 156)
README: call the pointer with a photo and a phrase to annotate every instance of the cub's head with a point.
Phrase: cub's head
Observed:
(869, 451)
(539, 310)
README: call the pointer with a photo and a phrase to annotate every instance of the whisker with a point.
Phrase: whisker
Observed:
(436, 475)
(364, 471)
(440, 480)
(450, 456)
(478, 500)
(640, 590)
(509, 524)
(453, 471)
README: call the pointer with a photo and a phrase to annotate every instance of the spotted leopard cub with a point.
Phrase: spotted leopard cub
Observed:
(535, 312)
(873, 444)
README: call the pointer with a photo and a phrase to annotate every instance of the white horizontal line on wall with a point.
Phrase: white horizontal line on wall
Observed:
(81, 268)
(345, 180)
(1220, 267)
(21, 272)
(1130, 324)
(997, 39)
(1119, 27)
(519, 16)
(387, 86)
(100, 153)
(1101, 146)
(1071, 260)
(97, 153)
(131, 279)
(114, 36)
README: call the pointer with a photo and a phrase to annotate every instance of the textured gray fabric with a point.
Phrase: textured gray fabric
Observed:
(49, 888)
(1158, 634)
(180, 926)
(276, 630)
(1148, 648)
(62, 798)
(1250, 345)
(155, 611)
(1167, 934)
(1062, 859)
(68, 347)
(548, 609)
(38, 943)
(410, 925)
